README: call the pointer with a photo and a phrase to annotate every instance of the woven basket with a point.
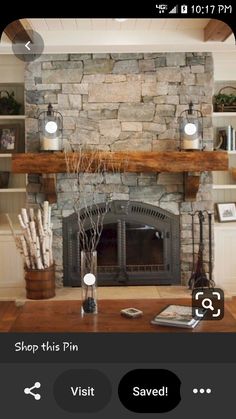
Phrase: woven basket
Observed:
(233, 172)
(227, 98)
(40, 283)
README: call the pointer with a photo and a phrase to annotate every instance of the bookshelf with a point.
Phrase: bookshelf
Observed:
(224, 185)
(224, 190)
(13, 197)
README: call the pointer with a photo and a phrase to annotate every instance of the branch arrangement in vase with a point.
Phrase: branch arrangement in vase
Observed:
(86, 175)
(35, 242)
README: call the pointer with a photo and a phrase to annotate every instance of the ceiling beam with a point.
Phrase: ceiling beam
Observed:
(216, 30)
(17, 33)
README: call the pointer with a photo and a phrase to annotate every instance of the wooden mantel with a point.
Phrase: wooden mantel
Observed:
(191, 163)
(130, 161)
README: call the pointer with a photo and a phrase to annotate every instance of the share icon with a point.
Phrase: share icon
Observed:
(28, 390)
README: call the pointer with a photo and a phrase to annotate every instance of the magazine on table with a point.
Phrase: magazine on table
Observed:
(177, 316)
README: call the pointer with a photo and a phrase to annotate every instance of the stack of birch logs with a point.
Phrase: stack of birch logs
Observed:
(35, 244)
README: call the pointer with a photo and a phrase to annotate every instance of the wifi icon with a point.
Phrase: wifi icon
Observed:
(174, 10)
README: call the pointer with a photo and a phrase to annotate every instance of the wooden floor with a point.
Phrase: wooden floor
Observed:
(9, 313)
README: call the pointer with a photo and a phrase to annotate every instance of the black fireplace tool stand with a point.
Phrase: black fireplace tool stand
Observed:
(199, 278)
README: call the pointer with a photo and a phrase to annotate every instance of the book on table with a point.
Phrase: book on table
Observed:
(177, 316)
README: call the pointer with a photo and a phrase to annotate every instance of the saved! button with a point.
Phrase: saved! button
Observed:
(150, 390)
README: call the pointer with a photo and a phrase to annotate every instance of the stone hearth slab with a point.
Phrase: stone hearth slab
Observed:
(145, 292)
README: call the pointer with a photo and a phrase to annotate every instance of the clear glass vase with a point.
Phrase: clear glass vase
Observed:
(88, 265)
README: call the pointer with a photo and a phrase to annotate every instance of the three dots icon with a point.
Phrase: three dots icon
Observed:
(202, 391)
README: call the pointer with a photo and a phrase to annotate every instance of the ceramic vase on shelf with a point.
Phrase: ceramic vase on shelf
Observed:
(89, 282)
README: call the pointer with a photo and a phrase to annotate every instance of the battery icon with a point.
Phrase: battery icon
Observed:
(184, 9)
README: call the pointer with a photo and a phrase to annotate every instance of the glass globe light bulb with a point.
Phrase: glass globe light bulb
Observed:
(51, 127)
(190, 129)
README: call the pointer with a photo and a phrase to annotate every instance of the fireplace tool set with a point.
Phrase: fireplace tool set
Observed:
(199, 278)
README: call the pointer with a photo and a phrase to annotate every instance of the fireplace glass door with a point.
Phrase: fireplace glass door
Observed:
(126, 250)
(144, 248)
(107, 249)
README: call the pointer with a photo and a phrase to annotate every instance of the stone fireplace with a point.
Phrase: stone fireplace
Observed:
(119, 102)
(139, 245)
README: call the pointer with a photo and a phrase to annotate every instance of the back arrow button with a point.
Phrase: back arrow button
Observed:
(27, 45)
(30, 49)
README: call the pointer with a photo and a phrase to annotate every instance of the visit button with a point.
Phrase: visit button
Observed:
(150, 390)
(84, 390)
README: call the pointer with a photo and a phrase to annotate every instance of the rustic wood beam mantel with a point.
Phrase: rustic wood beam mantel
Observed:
(130, 161)
(216, 30)
(191, 163)
(17, 31)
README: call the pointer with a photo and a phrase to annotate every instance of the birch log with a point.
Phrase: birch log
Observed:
(35, 243)
(25, 217)
(40, 225)
(31, 213)
(45, 215)
(47, 258)
(44, 256)
(49, 216)
(50, 247)
(38, 254)
(21, 221)
(25, 252)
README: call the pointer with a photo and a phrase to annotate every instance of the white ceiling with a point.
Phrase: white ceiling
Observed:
(133, 35)
(112, 25)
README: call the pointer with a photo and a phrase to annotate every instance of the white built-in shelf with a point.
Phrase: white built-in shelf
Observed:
(230, 225)
(218, 186)
(5, 155)
(222, 114)
(4, 225)
(8, 190)
(12, 117)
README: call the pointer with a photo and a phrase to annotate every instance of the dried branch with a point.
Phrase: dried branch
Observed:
(80, 166)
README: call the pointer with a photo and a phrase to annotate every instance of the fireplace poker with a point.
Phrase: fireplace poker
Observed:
(198, 277)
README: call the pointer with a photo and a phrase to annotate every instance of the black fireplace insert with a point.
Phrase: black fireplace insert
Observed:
(139, 245)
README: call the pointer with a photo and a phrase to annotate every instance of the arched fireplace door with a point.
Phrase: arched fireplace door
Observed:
(139, 245)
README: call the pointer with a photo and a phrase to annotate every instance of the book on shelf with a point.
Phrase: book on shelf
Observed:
(233, 143)
(228, 137)
(177, 316)
(225, 138)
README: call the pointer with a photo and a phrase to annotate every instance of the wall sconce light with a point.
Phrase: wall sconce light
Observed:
(191, 129)
(50, 125)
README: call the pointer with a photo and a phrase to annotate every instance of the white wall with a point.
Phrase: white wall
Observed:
(224, 65)
(11, 69)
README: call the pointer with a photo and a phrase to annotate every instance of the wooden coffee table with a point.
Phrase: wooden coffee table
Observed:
(64, 316)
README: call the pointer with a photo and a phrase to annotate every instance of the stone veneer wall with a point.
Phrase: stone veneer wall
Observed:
(122, 102)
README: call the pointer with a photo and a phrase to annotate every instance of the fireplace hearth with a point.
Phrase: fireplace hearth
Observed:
(139, 245)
